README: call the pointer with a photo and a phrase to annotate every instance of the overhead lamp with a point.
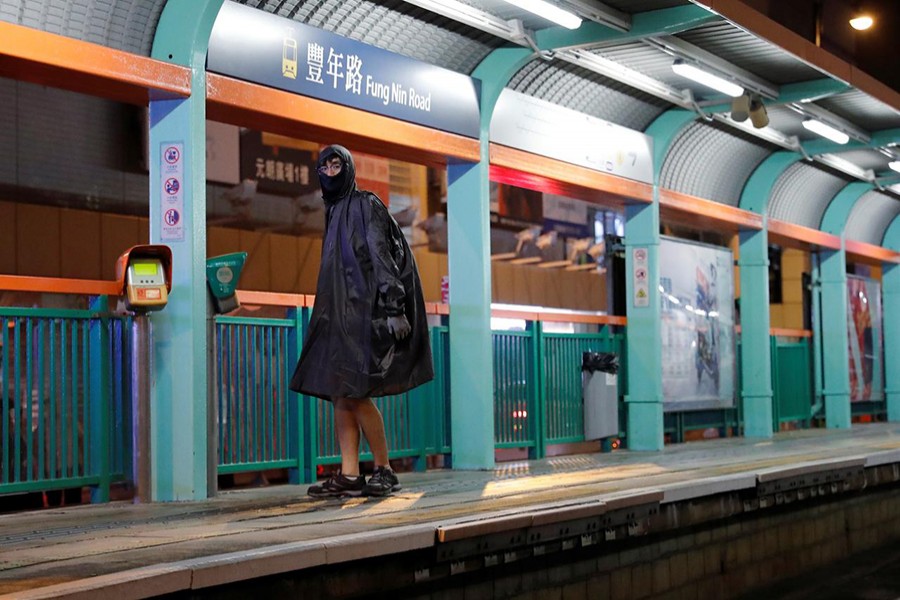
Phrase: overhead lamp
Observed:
(708, 79)
(740, 108)
(861, 22)
(549, 11)
(759, 117)
(894, 165)
(749, 105)
(826, 131)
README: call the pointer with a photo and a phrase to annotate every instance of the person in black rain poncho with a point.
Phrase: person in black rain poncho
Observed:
(368, 334)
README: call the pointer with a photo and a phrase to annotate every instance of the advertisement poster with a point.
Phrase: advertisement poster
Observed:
(866, 348)
(697, 310)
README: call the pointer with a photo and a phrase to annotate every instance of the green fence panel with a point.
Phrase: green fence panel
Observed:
(253, 371)
(793, 381)
(562, 378)
(515, 392)
(417, 423)
(53, 435)
(433, 399)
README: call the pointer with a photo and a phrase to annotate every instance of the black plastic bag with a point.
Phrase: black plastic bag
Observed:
(605, 362)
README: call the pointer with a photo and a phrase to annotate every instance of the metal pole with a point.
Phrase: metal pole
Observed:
(212, 405)
(141, 368)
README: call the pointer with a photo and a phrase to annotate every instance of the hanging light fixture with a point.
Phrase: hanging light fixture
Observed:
(861, 22)
(759, 117)
(708, 79)
(894, 165)
(551, 12)
(826, 131)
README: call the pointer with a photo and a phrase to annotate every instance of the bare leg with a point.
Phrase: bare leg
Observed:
(345, 420)
(369, 418)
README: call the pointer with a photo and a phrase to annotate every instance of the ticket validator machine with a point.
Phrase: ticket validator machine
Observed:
(145, 276)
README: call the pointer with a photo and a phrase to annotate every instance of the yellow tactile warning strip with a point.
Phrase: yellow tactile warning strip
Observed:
(85, 550)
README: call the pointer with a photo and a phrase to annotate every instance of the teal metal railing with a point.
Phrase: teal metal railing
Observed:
(263, 425)
(417, 423)
(792, 384)
(562, 389)
(253, 369)
(64, 390)
(516, 390)
(538, 397)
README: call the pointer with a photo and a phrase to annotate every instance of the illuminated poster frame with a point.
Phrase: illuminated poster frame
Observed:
(697, 325)
(865, 341)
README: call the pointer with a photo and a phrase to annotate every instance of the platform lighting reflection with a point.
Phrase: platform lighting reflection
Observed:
(894, 165)
(548, 11)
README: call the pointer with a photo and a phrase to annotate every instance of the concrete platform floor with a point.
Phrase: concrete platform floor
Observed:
(56, 551)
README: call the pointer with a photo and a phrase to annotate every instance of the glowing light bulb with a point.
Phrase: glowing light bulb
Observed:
(861, 23)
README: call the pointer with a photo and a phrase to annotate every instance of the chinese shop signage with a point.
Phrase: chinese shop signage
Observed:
(278, 170)
(263, 48)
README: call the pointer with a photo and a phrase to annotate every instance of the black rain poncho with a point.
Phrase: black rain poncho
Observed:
(367, 274)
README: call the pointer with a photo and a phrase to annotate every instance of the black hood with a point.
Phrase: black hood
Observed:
(344, 183)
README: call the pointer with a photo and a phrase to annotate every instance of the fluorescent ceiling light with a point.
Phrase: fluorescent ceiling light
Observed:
(708, 79)
(895, 165)
(549, 12)
(826, 131)
(861, 22)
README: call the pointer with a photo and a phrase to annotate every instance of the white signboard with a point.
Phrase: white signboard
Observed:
(534, 125)
(697, 320)
(171, 191)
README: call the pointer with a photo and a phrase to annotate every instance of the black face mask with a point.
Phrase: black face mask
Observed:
(333, 186)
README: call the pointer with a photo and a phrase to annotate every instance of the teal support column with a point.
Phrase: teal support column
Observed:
(835, 358)
(835, 337)
(178, 393)
(643, 342)
(469, 243)
(471, 377)
(756, 355)
(890, 308)
(644, 428)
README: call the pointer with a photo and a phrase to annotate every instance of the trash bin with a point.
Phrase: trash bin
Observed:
(601, 394)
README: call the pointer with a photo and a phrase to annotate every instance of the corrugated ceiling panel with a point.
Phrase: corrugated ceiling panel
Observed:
(866, 159)
(865, 111)
(127, 25)
(392, 25)
(750, 53)
(712, 162)
(802, 194)
(871, 216)
(578, 89)
(654, 63)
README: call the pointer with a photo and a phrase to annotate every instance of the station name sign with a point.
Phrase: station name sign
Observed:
(541, 127)
(260, 47)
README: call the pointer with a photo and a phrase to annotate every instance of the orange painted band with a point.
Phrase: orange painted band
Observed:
(790, 231)
(709, 210)
(271, 298)
(43, 58)
(517, 167)
(54, 285)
